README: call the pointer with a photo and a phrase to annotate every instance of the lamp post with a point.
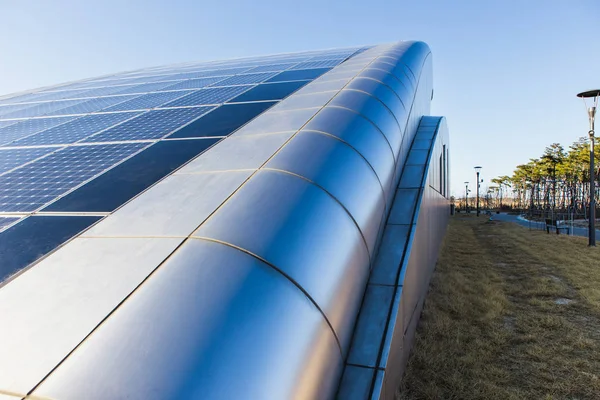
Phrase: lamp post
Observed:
(478, 169)
(594, 95)
(466, 197)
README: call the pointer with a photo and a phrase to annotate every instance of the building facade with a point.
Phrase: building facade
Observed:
(258, 228)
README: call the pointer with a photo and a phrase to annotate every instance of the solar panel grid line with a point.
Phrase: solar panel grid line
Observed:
(63, 193)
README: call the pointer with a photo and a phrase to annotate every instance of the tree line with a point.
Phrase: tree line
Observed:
(556, 182)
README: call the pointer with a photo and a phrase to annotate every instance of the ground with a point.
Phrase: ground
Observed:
(510, 314)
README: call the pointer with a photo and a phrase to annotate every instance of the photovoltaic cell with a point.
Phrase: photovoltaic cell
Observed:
(29, 127)
(271, 68)
(75, 130)
(208, 96)
(145, 88)
(34, 237)
(154, 124)
(6, 221)
(222, 120)
(299, 74)
(270, 91)
(11, 108)
(246, 79)
(12, 158)
(7, 123)
(33, 185)
(134, 175)
(92, 105)
(39, 109)
(147, 101)
(195, 83)
(318, 64)
(102, 91)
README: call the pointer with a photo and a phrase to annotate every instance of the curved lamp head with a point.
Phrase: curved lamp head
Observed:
(591, 109)
(477, 168)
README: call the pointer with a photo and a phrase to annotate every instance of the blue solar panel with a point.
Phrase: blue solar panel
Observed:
(75, 130)
(208, 96)
(29, 127)
(154, 124)
(148, 101)
(12, 158)
(6, 221)
(271, 68)
(195, 83)
(317, 64)
(93, 105)
(11, 108)
(39, 109)
(9, 122)
(103, 91)
(33, 185)
(145, 88)
(246, 79)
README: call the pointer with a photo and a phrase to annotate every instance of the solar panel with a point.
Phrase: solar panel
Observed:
(33, 185)
(11, 108)
(145, 88)
(92, 105)
(246, 79)
(75, 130)
(39, 109)
(147, 101)
(298, 74)
(9, 122)
(12, 158)
(318, 64)
(208, 96)
(103, 91)
(6, 221)
(151, 125)
(195, 83)
(271, 68)
(28, 127)
(270, 91)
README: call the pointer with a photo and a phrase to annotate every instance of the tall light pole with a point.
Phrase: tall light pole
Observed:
(478, 169)
(594, 95)
(466, 197)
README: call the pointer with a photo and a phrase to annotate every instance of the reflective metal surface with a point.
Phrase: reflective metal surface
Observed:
(297, 227)
(262, 299)
(399, 280)
(50, 309)
(211, 323)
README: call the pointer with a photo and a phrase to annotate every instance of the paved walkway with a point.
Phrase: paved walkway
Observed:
(537, 225)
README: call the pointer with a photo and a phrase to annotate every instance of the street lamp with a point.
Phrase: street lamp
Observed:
(467, 197)
(593, 94)
(478, 169)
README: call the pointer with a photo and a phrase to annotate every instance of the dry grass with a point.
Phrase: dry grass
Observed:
(491, 327)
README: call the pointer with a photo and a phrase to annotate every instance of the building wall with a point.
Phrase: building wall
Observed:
(242, 273)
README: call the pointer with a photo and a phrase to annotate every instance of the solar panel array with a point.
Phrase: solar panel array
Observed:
(55, 142)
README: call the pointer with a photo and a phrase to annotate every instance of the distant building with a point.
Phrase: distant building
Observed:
(259, 228)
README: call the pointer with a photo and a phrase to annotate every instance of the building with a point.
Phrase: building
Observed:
(258, 228)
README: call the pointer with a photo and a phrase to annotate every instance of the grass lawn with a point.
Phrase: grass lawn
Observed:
(510, 314)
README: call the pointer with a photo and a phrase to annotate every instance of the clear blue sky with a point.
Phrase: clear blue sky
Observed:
(505, 72)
